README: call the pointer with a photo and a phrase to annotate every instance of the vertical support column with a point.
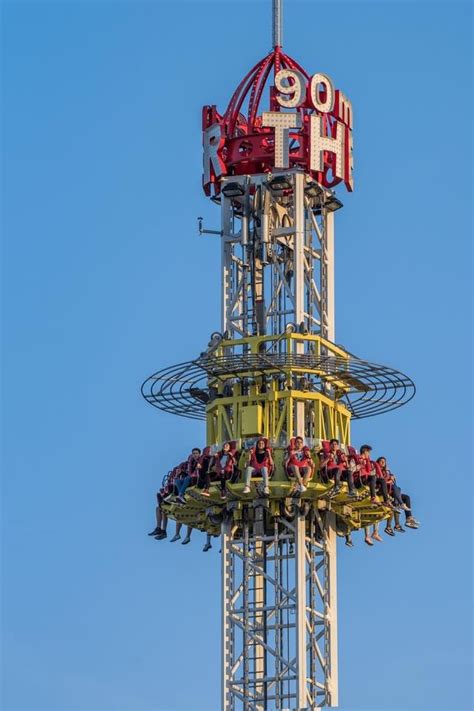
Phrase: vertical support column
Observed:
(226, 262)
(259, 618)
(299, 288)
(331, 536)
(298, 248)
(330, 303)
(226, 596)
(332, 671)
(300, 585)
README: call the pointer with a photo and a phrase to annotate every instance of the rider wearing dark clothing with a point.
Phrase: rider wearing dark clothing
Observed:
(226, 466)
(191, 476)
(371, 475)
(334, 465)
(204, 467)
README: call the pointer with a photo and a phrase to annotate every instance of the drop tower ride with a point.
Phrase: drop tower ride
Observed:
(271, 162)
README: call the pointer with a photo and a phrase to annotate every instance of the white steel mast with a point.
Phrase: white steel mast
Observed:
(279, 587)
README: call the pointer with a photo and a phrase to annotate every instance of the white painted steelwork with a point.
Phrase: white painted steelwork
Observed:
(277, 255)
(279, 615)
(279, 591)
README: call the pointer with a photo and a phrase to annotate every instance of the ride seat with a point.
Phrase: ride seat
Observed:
(325, 446)
(291, 445)
(206, 452)
(267, 446)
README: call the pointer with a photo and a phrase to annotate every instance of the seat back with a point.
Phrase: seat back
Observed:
(269, 448)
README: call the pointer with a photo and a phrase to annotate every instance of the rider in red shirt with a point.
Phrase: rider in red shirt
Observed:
(260, 463)
(191, 476)
(204, 467)
(334, 465)
(225, 466)
(298, 462)
(402, 500)
(371, 475)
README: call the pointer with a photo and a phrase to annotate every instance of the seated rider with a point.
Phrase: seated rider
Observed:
(159, 532)
(204, 467)
(225, 465)
(298, 463)
(371, 475)
(400, 499)
(173, 477)
(394, 491)
(334, 465)
(259, 463)
(191, 474)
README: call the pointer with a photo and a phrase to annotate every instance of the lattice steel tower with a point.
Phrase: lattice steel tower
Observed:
(274, 370)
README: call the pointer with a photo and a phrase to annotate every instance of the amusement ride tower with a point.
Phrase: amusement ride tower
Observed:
(274, 371)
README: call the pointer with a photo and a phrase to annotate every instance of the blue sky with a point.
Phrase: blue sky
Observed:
(106, 281)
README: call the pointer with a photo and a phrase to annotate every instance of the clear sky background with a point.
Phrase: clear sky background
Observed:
(106, 281)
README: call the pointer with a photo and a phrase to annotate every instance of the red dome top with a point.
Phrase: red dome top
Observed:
(251, 87)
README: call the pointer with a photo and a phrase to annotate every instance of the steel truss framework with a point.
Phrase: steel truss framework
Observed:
(276, 354)
(279, 615)
(277, 254)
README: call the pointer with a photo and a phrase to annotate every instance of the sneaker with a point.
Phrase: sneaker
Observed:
(353, 494)
(176, 537)
(168, 499)
(205, 492)
(411, 523)
(186, 540)
(404, 507)
(246, 490)
(223, 495)
(376, 537)
(369, 541)
(302, 488)
(349, 544)
(161, 535)
(389, 531)
(266, 491)
(206, 547)
(399, 529)
(155, 531)
(336, 489)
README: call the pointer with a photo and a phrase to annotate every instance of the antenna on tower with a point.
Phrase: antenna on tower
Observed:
(277, 23)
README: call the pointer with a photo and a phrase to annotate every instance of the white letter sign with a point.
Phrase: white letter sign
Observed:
(321, 143)
(281, 123)
(297, 87)
(212, 140)
(328, 104)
